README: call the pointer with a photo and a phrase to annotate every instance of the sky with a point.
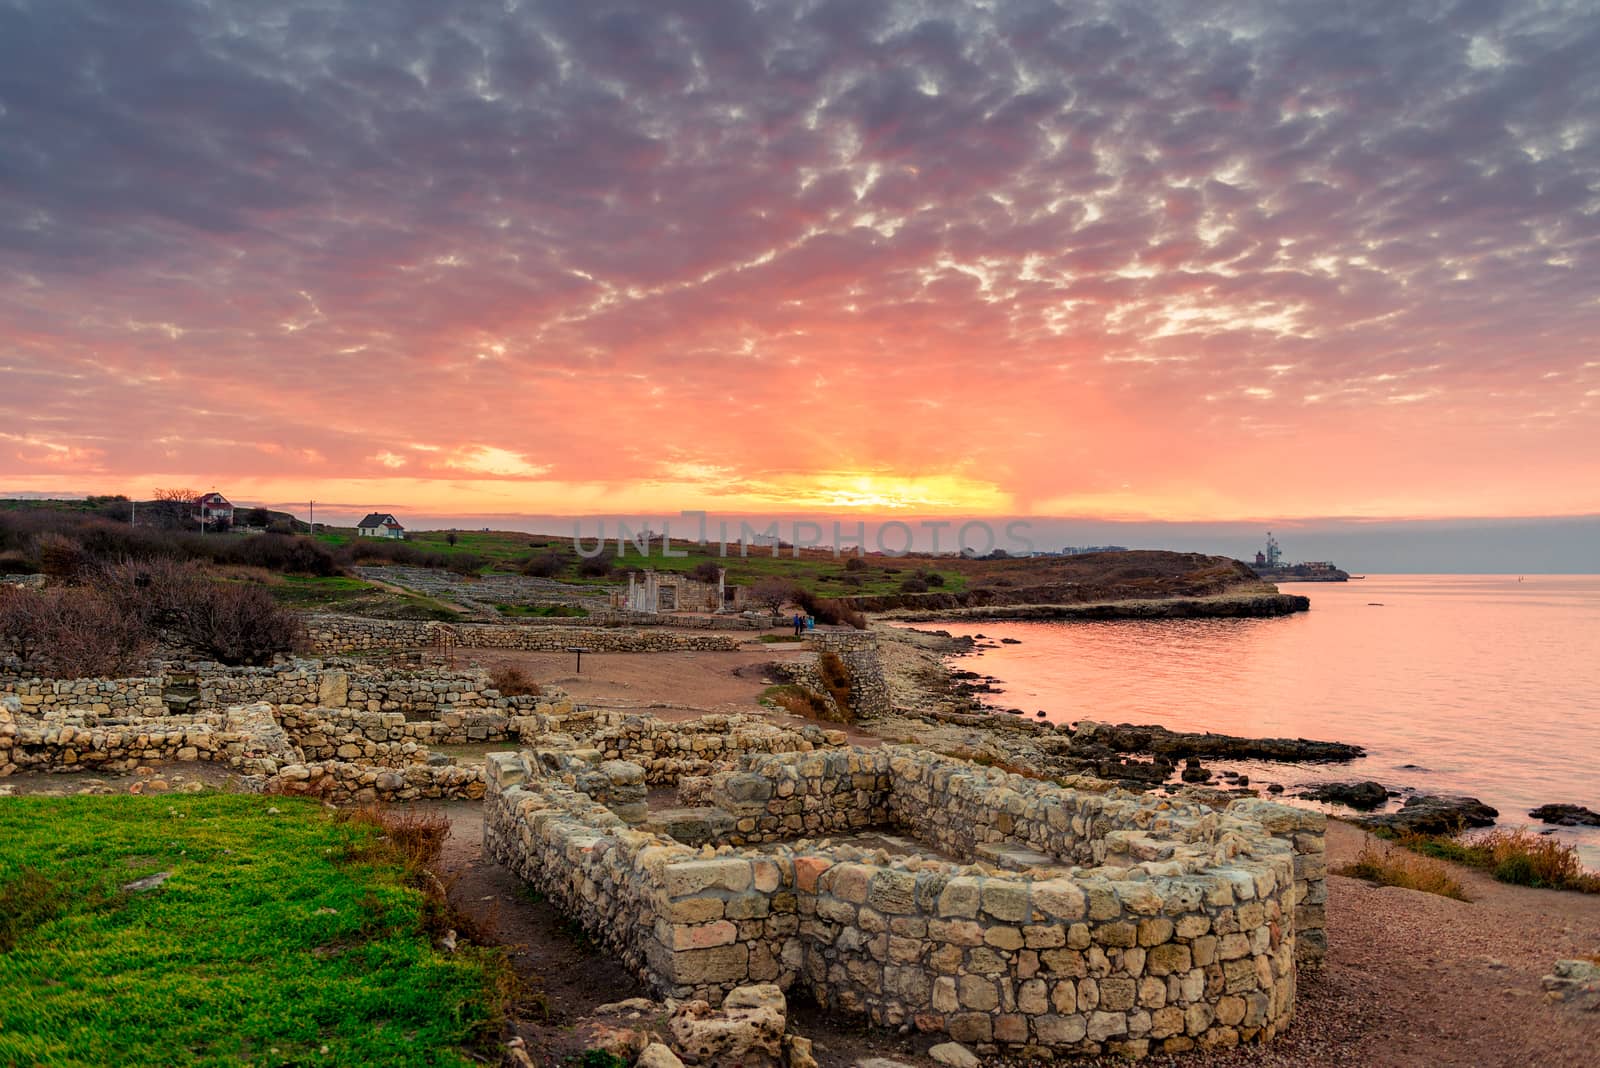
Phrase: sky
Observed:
(1138, 262)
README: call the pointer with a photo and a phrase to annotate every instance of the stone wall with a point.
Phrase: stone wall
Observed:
(247, 739)
(668, 751)
(345, 684)
(341, 782)
(127, 695)
(1182, 933)
(330, 634)
(869, 689)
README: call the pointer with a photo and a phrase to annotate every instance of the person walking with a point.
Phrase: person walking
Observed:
(799, 624)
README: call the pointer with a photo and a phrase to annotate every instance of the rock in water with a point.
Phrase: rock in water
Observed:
(1566, 815)
(1434, 814)
(1365, 796)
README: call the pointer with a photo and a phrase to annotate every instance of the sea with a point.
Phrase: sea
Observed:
(1486, 685)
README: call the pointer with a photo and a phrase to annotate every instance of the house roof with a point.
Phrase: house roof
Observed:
(379, 519)
(213, 497)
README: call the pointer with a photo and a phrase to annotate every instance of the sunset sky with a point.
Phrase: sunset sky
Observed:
(1157, 261)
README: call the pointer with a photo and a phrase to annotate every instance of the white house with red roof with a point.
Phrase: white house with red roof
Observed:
(211, 509)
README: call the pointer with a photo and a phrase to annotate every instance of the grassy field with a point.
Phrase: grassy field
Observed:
(289, 938)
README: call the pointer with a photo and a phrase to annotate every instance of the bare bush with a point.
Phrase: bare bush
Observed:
(512, 681)
(543, 565)
(239, 625)
(772, 594)
(60, 557)
(706, 571)
(71, 633)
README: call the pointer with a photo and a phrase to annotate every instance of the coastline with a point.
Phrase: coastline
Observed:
(1217, 606)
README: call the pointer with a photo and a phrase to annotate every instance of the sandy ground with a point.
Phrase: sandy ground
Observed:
(660, 682)
(672, 686)
(1411, 980)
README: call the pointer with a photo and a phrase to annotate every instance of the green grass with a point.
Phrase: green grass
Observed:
(542, 611)
(818, 572)
(279, 939)
(308, 591)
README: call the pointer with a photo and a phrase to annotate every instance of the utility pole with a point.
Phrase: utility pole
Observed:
(133, 520)
(311, 525)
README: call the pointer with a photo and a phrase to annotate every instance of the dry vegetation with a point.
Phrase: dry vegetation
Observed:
(512, 681)
(1517, 856)
(1389, 866)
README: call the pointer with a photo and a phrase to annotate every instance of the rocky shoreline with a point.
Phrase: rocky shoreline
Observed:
(1223, 606)
(939, 707)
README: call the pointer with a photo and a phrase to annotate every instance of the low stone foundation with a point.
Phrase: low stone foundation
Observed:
(339, 782)
(1081, 923)
(330, 634)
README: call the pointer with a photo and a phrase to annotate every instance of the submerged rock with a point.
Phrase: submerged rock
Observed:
(1566, 815)
(1365, 796)
(1434, 814)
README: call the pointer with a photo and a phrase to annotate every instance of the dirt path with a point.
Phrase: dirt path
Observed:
(1412, 979)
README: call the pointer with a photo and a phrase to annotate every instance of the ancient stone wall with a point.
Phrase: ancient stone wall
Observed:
(248, 739)
(130, 695)
(869, 689)
(345, 684)
(341, 782)
(582, 856)
(1181, 934)
(668, 751)
(330, 634)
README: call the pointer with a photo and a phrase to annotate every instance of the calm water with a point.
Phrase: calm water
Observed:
(1473, 684)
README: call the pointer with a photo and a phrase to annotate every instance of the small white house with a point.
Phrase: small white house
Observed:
(211, 509)
(380, 525)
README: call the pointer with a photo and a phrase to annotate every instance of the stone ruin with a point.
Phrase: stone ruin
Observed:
(919, 890)
(653, 592)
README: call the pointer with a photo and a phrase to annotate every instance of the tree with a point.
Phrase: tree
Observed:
(772, 594)
(258, 517)
(173, 507)
(451, 538)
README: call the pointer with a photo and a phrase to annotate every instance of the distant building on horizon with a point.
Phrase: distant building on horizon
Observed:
(380, 525)
(211, 510)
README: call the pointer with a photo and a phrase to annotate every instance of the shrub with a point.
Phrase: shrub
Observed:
(802, 702)
(596, 566)
(855, 563)
(511, 681)
(543, 565)
(14, 562)
(61, 557)
(913, 585)
(828, 610)
(706, 571)
(1516, 856)
(836, 678)
(239, 625)
(72, 633)
(933, 578)
(1392, 868)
